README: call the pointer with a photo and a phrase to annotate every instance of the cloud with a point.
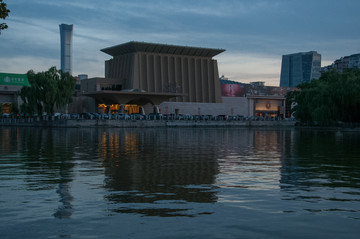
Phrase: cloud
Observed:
(23, 64)
(255, 33)
(247, 68)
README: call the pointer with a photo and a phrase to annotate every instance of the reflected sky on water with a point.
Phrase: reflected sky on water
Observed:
(183, 182)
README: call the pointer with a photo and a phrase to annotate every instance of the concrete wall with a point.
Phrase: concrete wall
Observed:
(229, 106)
(141, 123)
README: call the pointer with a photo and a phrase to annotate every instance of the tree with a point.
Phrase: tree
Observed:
(4, 12)
(331, 99)
(48, 89)
(15, 108)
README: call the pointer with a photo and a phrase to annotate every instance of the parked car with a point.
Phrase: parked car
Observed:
(172, 117)
(240, 117)
(96, 115)
(104, 116)
(204, 117)
(222, 117)
(113, 116)
(180, 117)
(155, 116)
(74, 116)
(122, 116)
(137, 116)
(65, 116)
(57, 115)
(187, 117)
(86, 115)
(196, 117)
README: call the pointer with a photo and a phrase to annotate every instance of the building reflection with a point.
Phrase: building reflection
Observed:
(250, 159)
(9, 140)
(47, 162)
(180, 171)
(144, 167)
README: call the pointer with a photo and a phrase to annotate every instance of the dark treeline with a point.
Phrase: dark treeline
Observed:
(331, 100)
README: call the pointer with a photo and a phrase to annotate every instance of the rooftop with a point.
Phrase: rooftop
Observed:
(134, 46)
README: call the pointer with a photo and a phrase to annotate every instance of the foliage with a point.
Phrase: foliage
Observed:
(14, 108)
(4, 12)
(333, 98)
(48, 89)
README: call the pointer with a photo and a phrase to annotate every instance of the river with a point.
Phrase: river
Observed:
(179, 183)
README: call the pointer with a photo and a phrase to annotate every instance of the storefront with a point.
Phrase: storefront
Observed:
(10, 84)
(267, 106)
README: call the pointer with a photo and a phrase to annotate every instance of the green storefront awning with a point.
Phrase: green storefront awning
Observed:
(14, 79)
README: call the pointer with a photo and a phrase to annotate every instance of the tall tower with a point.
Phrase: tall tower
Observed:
(300, 67)
(66, 33)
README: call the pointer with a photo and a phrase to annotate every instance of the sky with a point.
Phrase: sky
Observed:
(254, 33)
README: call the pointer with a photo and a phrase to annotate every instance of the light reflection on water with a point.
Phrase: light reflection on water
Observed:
(215, 183)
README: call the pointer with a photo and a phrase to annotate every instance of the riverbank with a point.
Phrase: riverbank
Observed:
(106, 123)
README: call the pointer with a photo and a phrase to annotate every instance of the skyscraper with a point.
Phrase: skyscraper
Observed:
(299, 68)
(66, 32)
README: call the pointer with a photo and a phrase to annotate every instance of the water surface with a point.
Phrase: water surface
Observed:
(179, 183)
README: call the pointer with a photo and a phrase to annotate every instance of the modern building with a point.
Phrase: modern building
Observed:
(300, 68)
(66, 33)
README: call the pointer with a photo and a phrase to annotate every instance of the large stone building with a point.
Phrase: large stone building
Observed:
(300, 68)
(150, 74)
(160, 68)
(175, 80)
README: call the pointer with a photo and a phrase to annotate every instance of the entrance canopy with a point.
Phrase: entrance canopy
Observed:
(123, 97)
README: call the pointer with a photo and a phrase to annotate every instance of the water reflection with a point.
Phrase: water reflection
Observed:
(47, 163)
(321, 167)
(157, 172)
(251, 159)
(321, 158)
(179, 172)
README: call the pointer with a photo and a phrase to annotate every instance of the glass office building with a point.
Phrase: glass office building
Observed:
(299, 68)
(66, 33)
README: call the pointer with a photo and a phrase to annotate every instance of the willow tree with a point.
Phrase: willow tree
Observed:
(47, 90)
(331, 99)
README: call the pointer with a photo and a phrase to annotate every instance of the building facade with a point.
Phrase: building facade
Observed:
(354, 61)
(300, 68)
(344, 63)
(10, 84)
(66, 34)
(172, 79)
(159, 68)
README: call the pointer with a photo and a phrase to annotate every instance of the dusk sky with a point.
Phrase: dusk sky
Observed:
(254, 33)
